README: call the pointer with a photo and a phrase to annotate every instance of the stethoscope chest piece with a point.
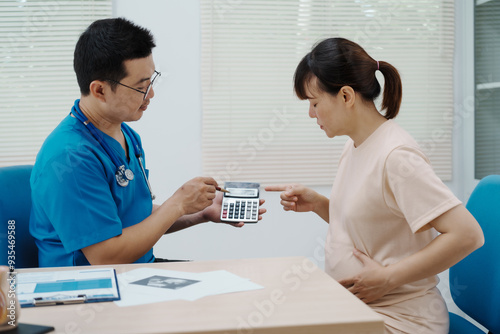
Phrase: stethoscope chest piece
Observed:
(129, 175)
(124, 176)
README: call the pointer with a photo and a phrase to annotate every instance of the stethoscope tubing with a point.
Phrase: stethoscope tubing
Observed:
(123, 173)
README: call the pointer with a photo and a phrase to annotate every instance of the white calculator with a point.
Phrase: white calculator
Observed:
(241, 203)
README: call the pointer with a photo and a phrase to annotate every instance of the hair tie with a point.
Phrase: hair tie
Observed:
(378, 66)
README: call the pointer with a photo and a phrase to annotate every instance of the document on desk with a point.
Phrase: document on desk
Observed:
(148, 285)
(67, 287)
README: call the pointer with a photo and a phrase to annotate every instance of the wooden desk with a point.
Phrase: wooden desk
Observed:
(298, 298)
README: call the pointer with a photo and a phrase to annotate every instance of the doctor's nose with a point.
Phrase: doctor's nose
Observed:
(151, 93)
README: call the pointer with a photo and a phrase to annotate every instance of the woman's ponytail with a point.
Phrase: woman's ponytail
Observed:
(393, 90)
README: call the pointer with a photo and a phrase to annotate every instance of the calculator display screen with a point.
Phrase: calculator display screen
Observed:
(241, 192)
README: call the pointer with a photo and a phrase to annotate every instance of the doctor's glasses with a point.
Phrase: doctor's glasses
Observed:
(151, 84)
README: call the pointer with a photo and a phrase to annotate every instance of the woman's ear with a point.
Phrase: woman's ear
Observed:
(348, 95)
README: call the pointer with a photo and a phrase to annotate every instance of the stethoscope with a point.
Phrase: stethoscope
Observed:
(123, 174)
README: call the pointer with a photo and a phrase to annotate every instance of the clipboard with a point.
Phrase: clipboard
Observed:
(47, 288)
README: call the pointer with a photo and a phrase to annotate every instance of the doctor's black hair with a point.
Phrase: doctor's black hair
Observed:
(104, 46)
(338, 62)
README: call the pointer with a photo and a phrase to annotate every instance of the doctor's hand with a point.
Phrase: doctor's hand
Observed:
(195, 195)
(212, 213)
(371, 283)
(296, 197)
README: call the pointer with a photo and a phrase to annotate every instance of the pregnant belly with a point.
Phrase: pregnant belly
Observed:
(340, 262)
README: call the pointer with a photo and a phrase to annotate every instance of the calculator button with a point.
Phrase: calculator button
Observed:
(241, 209)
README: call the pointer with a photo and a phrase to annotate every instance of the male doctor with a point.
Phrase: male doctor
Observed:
(91, 199)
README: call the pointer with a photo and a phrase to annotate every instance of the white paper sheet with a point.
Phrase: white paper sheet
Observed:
(148, 285)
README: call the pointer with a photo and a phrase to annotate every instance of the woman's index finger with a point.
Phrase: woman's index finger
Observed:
(280, 187)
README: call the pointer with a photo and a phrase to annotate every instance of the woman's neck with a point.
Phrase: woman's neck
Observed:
(367, 119)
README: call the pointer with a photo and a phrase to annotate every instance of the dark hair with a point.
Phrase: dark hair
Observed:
(338, 62)
(102, 48)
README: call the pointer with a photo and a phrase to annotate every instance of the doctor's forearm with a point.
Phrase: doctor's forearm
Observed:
(186, 221)
(136, 240)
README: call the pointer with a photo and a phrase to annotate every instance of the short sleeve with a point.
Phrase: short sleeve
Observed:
(413, 190)
(80, 205)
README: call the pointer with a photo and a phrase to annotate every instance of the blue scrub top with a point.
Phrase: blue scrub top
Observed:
(76, 201)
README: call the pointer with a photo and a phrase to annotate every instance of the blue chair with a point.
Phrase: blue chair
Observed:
(475, 281)
(15, 207)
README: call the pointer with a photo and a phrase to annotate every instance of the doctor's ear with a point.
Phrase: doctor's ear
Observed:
(98, 89)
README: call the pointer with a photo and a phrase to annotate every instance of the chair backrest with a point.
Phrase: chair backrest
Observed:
(17, 248)
(475, 281)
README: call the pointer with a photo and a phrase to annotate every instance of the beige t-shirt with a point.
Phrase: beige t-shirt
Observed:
(384, 193)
